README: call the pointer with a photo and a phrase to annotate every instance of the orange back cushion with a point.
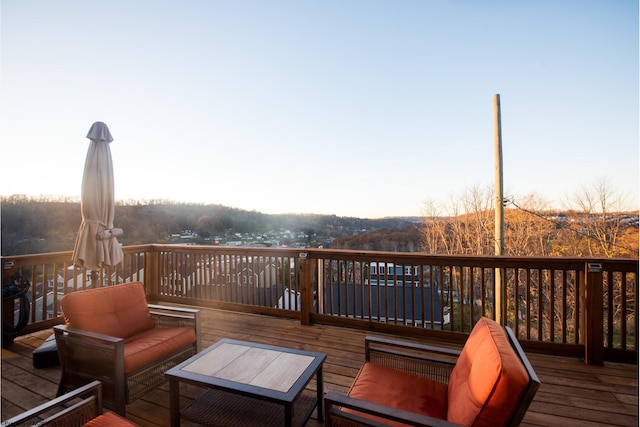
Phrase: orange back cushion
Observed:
(119, 310)
(488, 379)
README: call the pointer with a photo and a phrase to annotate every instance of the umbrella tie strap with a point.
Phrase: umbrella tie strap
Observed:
(109, 233)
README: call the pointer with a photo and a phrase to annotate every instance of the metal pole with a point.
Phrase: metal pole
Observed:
(499, 209)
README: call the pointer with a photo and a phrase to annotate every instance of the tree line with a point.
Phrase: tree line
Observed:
(594, 225)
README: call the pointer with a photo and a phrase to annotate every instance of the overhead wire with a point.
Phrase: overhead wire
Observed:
(510, 200)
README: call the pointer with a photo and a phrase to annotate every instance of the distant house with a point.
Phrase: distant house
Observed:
(290, 300)
(386, 273)
(257, 272)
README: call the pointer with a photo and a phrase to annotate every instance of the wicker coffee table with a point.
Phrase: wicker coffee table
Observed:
(248, 384)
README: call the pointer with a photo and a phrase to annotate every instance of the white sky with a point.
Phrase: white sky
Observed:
(349, 107)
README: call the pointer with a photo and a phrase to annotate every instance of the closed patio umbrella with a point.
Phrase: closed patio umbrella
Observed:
(96, 245)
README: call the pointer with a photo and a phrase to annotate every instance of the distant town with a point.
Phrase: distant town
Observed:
(281, 238)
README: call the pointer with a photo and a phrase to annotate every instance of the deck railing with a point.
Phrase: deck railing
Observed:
(569, 306)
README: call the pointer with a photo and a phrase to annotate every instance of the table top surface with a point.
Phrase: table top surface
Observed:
(251, 368)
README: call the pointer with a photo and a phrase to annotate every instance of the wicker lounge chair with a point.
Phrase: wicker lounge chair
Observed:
(113, 335)
(489, 383)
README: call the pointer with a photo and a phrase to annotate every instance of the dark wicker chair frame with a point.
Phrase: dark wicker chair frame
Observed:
(72, 409)
(435, 363)
(86, 356)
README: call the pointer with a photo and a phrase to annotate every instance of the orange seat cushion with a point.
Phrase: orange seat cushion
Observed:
(390, 387)
(149, 346)
(488, 379)
(109, 419)
(118, 311)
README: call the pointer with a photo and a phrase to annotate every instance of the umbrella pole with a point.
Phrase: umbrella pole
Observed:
(94, 279)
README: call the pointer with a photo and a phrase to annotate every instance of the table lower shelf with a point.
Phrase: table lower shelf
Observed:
(220, 408)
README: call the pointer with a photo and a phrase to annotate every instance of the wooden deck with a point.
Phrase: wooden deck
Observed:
(571, 394)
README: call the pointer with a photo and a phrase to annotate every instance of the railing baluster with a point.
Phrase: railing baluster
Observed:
(623, 309)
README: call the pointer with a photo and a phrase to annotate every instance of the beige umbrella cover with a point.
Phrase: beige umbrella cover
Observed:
(95, 248)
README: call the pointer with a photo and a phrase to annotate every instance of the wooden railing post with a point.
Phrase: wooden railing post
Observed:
(152, 272)
(306, 288)
(593, 311)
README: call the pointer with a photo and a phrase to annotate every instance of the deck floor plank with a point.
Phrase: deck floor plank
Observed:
(571, 394)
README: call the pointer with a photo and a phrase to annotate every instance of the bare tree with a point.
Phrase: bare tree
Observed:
(527, 232)
(599, 223)
(478, 232)
(435, 239)
(464, 226)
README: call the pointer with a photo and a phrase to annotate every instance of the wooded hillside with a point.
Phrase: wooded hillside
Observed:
(37, 225)
(43, 225)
